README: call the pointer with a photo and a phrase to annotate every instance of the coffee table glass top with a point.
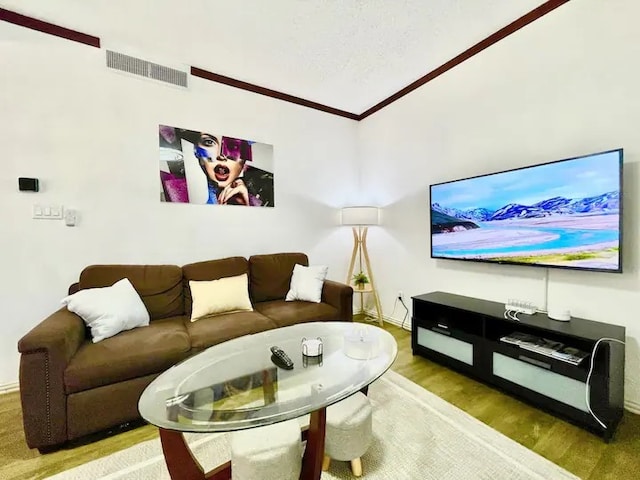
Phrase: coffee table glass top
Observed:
(235, 385)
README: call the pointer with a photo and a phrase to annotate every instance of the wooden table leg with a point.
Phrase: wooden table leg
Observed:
(181, 463)
(314, 451)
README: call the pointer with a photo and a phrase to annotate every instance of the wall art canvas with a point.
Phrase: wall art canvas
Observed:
(206, 167)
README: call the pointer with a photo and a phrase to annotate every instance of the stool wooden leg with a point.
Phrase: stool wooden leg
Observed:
(356, 467)
(326, 461)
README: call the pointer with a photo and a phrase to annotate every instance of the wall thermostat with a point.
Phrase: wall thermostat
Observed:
(28, 184)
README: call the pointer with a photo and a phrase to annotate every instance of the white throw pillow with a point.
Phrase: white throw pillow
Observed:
(306, 283)
(109, 310)
(225, 295)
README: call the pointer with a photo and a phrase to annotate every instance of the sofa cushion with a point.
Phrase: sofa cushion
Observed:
(211, 270)
(159, 286)
(213, 330)
(284, 313)
(130, 354)
(270, 275)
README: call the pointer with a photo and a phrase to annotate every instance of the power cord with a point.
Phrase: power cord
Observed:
(511, 315)
(588, 388)
(406, 310)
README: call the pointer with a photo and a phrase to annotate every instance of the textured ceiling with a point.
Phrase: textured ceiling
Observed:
(347, 54)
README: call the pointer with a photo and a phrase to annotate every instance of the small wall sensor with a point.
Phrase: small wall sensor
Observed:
(28, 184)
(70, 217)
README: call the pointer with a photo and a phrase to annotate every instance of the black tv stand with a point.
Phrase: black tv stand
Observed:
(464, 333)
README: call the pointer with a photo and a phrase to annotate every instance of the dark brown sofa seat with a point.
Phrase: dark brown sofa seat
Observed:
(282, 314)
(211, 331)
(71, 387)
(130, 354)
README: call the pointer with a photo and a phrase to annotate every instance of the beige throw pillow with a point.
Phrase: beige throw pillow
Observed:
(225, 295)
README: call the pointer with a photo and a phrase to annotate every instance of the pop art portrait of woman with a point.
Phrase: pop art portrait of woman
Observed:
(224, 170)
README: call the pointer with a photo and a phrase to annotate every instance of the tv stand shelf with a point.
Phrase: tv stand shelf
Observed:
(464, 333)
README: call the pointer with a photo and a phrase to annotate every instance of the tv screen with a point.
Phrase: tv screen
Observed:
(564, 214)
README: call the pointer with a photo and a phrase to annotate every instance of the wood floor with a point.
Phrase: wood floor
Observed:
(580, 452)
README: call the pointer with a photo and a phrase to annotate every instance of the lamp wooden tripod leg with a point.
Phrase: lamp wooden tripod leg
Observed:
(360, 248)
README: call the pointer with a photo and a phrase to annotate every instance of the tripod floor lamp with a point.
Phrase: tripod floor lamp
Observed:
(360, 218)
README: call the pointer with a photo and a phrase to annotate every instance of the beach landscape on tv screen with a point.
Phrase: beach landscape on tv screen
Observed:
(560, 214)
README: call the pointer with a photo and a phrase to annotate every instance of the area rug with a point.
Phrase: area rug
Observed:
(417, 436)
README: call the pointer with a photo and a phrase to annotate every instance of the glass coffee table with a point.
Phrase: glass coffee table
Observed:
(235, 385)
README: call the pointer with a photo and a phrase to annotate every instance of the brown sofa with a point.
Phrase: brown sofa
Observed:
(71, 387)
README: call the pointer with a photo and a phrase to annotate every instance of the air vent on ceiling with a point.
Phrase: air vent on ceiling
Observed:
(144, 68)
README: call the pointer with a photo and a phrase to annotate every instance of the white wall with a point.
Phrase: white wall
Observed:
(90, 136)
(564, 86)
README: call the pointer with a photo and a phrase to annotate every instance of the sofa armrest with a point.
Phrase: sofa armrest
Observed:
(46, 351)
(339, 295)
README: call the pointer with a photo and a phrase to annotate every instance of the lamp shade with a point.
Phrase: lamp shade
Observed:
(360, 216)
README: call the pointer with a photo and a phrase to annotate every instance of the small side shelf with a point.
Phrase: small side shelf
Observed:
(369, 288)
(465, 334)
(366, 289)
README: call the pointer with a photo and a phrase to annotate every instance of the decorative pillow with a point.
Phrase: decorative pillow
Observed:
(109, 310)
(306, 283)
(225, 295)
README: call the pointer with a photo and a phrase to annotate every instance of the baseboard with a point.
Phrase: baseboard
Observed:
(631, 406)
(9, 387)
(392, 320)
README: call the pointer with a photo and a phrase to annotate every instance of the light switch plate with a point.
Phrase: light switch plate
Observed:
(37, 211)
(49, 212)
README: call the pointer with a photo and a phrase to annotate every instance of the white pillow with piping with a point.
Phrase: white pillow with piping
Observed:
(108, 311)
(306, 283)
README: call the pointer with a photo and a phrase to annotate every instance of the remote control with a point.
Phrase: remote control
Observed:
(280, 358)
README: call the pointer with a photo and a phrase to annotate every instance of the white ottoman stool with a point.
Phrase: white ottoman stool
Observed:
(273, 452)
(348, 432)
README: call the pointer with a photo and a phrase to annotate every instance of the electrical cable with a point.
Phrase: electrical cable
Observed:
(588, 387)
(405, 313)
(546, 291)
(511, 315)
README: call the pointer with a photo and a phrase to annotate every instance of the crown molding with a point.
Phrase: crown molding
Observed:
(514, 26)
(526, 19)
(49, 28)
(232, 82)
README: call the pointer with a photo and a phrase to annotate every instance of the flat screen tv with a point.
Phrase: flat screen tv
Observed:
(562, 214)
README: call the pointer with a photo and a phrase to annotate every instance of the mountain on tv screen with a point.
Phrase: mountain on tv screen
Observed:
(563, 214)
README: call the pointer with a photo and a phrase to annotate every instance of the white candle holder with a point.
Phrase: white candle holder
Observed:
(312, 347)
(312, 350)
